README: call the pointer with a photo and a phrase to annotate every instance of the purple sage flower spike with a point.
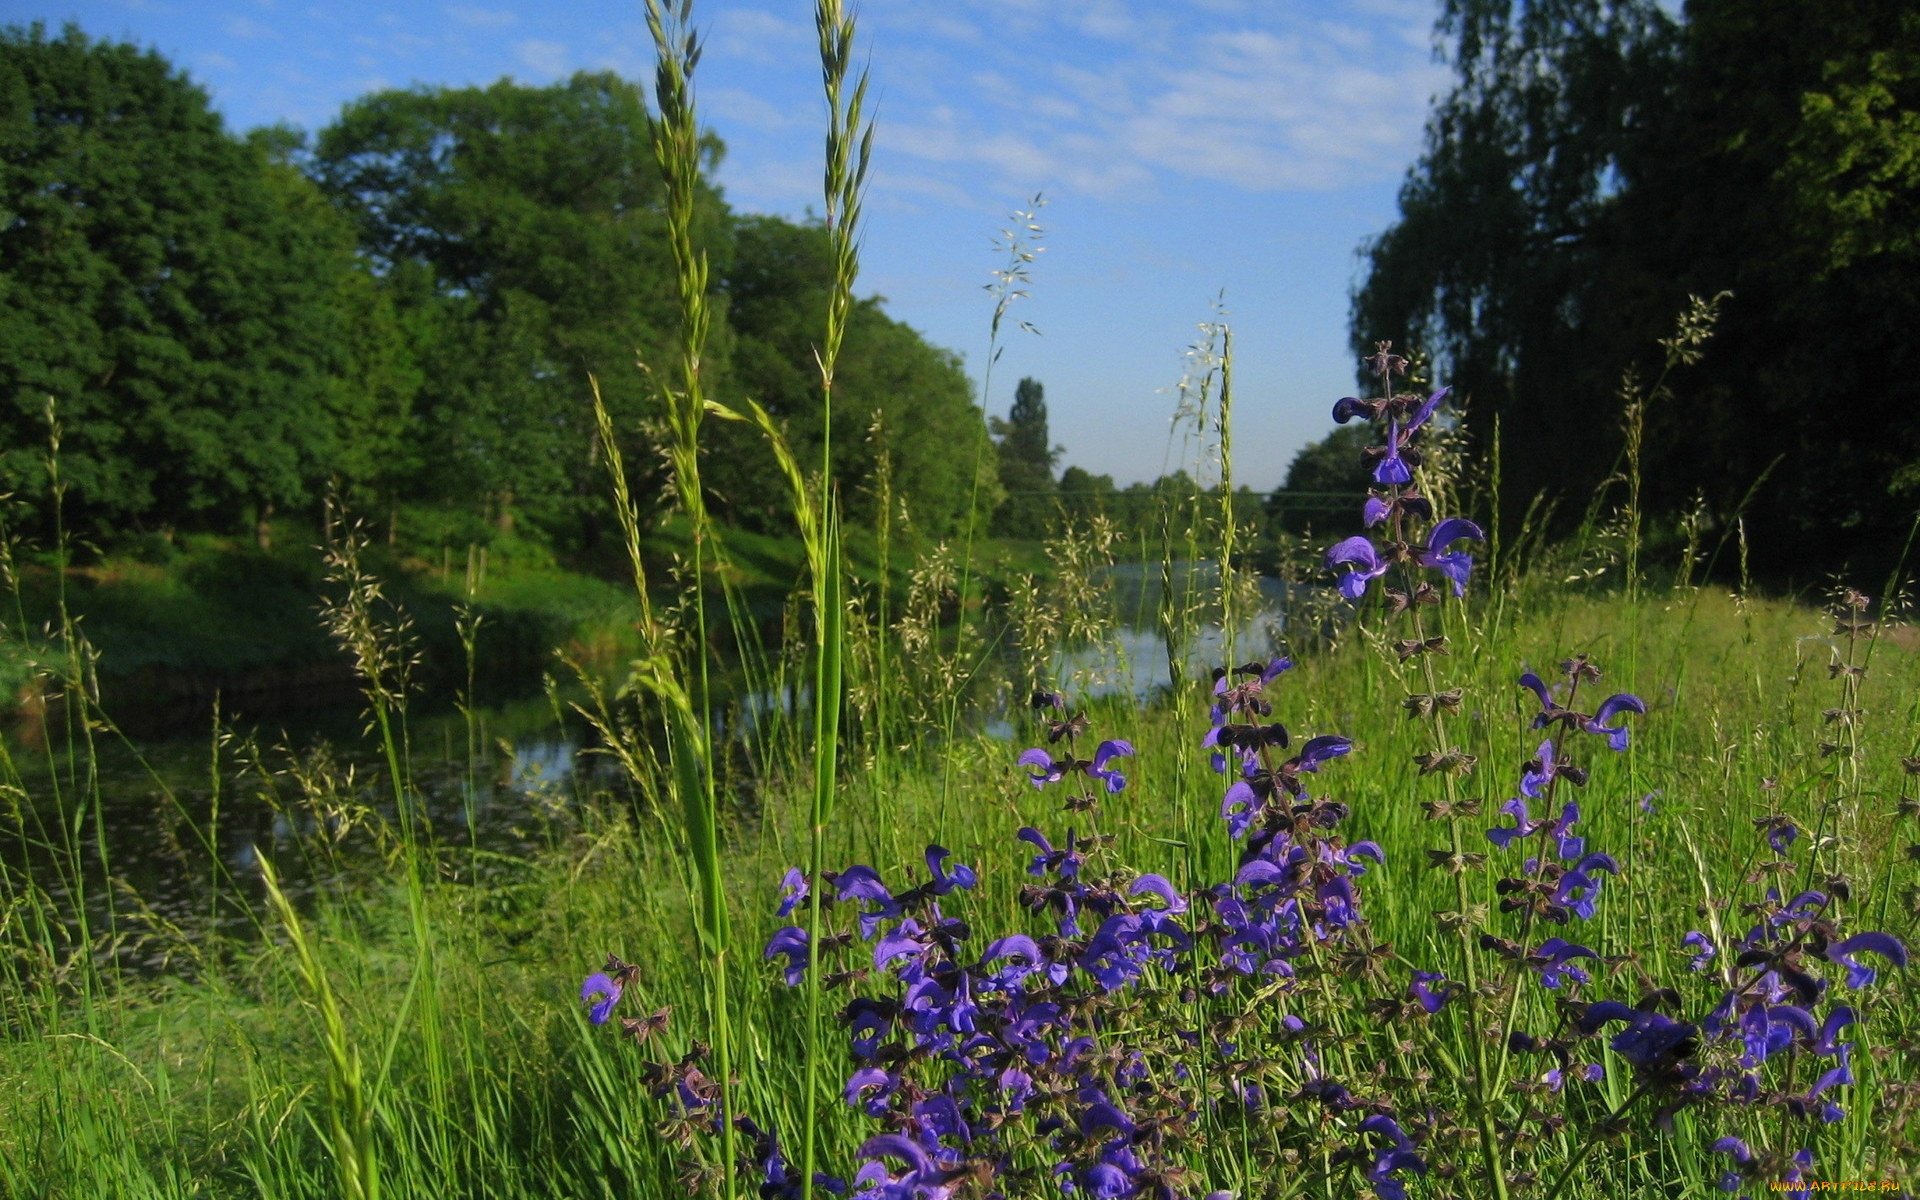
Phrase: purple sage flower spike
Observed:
(1837, 1020)
(1346, 408)
(1549, 708)
(1046, 770)
(961, 877)
(1321, 750)
(894, 1145)
(1431, 989)
(791, 942)
(1157, 885)
(1426, 408)
(1702, 947)
(793, 891)
(869, 1088)
(1106, 752)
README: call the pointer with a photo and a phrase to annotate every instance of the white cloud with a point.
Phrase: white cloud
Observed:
(787, 186)
(952, 28)
(481, 18)
(1109, 19)
(1113, 97)
(247, 29)
(740, 107)
(546, 58)
(757, 36)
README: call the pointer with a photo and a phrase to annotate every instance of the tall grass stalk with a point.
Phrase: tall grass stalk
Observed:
(849, 151)
(1020, 241)
(676, 147)
(349, 1112)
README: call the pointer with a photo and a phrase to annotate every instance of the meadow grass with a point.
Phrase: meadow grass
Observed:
(215, 1081)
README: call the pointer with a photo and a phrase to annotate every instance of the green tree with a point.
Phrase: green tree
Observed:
(521, 233)
(1596, 164)
(1325, 479)
(1507, 222)
(1786, 169)
(1084, 495)
(182, 296)
(1027, 457)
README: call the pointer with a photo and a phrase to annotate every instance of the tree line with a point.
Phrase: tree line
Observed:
(404, 310)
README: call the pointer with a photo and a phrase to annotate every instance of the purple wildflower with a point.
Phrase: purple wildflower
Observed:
(793, 890)
(600, 992)
(1366, 562)
(793, 944)
(1703, 950)
(1456, 565)
(1846, 954)
(1432, 990)
(962, 876)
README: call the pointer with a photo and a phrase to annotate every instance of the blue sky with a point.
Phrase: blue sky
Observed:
(1185, 148)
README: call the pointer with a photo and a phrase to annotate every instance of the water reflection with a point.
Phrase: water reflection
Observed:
(1135, 660)
(308, 788)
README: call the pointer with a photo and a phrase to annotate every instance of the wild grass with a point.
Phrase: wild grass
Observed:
(215, 1081)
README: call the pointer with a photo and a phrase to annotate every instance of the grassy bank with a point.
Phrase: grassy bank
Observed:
(174, 626)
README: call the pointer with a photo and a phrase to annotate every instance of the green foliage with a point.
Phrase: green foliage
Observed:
(212, 1081)
(186, 302)
(223, 339)
(1493, 265)
(888, 379)
(522, 241)
(1027, 457)
(1084, 495)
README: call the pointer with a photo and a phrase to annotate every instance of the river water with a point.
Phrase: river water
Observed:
(180, 814)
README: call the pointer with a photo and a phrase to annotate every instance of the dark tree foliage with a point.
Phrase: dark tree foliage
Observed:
(1084, 495)
(407, 314)
(185, 300)
(1507, 220)
(1596, 164)
(1327, 477)
(1787, 170)
(1027, 457)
